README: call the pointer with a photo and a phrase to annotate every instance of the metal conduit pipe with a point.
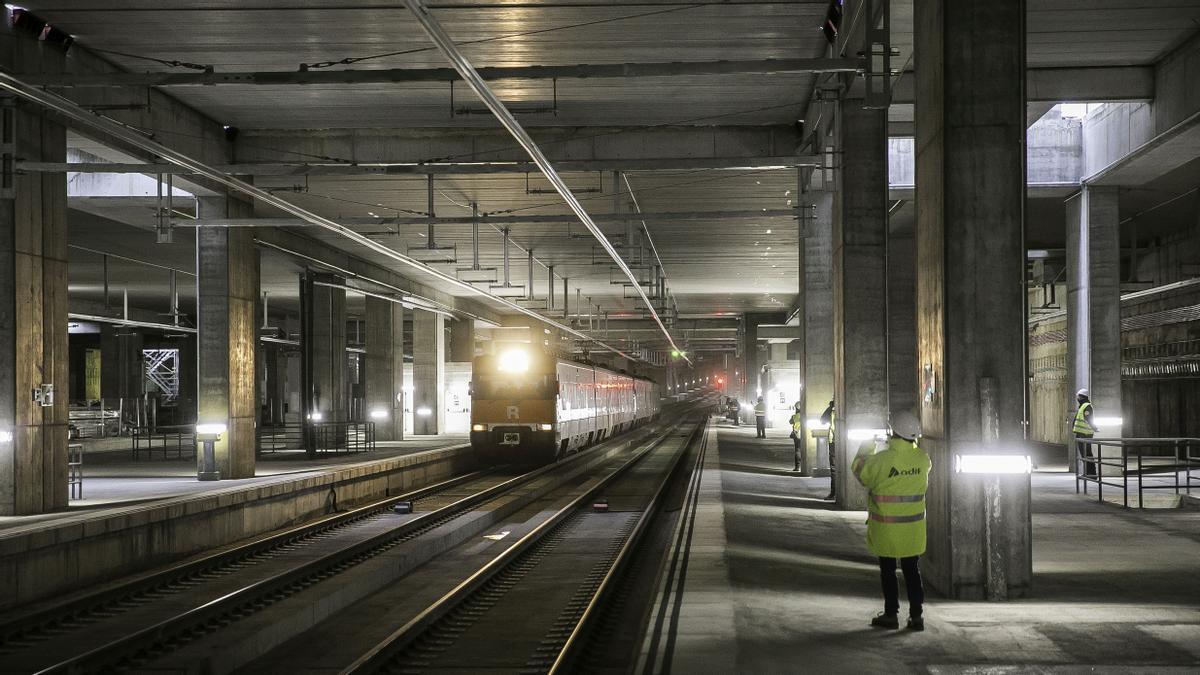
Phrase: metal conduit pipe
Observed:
(73, 112)
(550, 287)
(529, 276)
(504, 245)
(444, 44)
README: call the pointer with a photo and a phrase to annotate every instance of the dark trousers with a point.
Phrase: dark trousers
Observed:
(800, 456)
(912, 584)
(1085, 450)
(761, 423)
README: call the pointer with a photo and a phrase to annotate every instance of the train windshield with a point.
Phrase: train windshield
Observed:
(536, 386)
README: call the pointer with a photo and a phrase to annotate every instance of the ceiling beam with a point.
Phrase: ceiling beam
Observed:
(399, 75)
(484, 218)
(1069, 85)
(433, 168)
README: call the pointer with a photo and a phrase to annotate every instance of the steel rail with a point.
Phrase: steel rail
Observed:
(24, 623)
(100, 658)
(569, 651)
(73, 112)
(444, 44)
(394, 645)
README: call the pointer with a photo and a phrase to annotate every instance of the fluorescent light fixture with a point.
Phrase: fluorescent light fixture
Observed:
(210, 429)
(316, 417)
(514, 361)
(379, 414)
(866, 434)
(424, 412)
(478, 427)
(1108, 421)
(817, 424)
(993, 464)
(6, 436)
(547, 427)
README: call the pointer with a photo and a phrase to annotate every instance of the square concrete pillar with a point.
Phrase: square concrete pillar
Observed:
(902, 321)
(228, 290)
(859, 290)
(33, 316)
(462, 340)
(970, 176)
(816, 296)
(1094, 308)
(323, 341)
(429, 372)
(385, 368)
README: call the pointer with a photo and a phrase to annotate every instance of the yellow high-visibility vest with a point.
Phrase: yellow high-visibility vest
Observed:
(897, 479)
(1081, 423)
(797, 422)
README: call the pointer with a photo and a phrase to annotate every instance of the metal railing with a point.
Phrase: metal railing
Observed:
(1138, 458)
(179, 437)
(75, 470)
(327, 437)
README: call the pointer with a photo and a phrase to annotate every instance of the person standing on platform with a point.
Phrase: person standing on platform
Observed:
(760, 418)
(735, 410)
(1084, 427)
(896, 478)
(801, 458)
(829, 419)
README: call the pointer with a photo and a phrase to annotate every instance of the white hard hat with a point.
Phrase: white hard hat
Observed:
(905, 424)
(1083, 392)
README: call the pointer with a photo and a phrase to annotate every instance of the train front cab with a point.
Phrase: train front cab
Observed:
(513, 398)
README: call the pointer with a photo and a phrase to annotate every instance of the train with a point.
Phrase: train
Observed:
(529, 407)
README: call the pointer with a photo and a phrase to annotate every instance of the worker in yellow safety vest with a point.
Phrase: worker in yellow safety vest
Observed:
(896, 478)
(829, 419)
(760, 417)
(801, 458)
(1084, 427)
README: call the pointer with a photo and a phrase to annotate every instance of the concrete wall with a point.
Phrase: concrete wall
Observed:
(1112, 131)
(1176, 95)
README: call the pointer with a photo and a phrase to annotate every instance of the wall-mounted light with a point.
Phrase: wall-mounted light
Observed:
(6, 436)
(993, 464)
(379, 414)
(316, 416)
(424, 412)
(866, 434)
(1108, 422)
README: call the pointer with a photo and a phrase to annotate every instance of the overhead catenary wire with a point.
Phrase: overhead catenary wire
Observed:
(467, 71)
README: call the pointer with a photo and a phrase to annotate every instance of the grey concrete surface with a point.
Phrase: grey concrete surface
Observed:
(113, 481)
(1113, 590)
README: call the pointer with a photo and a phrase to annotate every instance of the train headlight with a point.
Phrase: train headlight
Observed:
(547, 427)
(514, 361)
(478, 427)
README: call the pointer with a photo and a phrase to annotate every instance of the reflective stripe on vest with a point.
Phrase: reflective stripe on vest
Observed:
(878, 517)
(891, 499)
(1081, 425)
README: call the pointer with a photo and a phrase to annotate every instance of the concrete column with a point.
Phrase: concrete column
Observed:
(274, 383)
(859, 283)
(902, 321)
(462, 340)
(970, 153)
(429, 372)
(228, 290)
(325, 342)
(816, 291)
(33, 314)
(1094, 303)
(385, 368)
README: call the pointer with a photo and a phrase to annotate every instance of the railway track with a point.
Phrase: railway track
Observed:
(538, 606)
(126, 627)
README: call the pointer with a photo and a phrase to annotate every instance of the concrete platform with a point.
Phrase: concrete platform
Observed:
(779, 582)
(142, 513)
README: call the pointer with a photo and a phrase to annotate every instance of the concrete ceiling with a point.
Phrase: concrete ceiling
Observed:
(713, 266)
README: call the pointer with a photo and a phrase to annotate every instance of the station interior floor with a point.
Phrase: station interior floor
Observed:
(780, 582)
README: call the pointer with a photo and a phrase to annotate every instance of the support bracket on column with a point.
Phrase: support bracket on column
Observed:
(878, 52)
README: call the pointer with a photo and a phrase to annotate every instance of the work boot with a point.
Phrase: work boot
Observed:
(886, 621)
(916, 623)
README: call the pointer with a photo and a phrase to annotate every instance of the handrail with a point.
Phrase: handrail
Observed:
(1089, 467)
